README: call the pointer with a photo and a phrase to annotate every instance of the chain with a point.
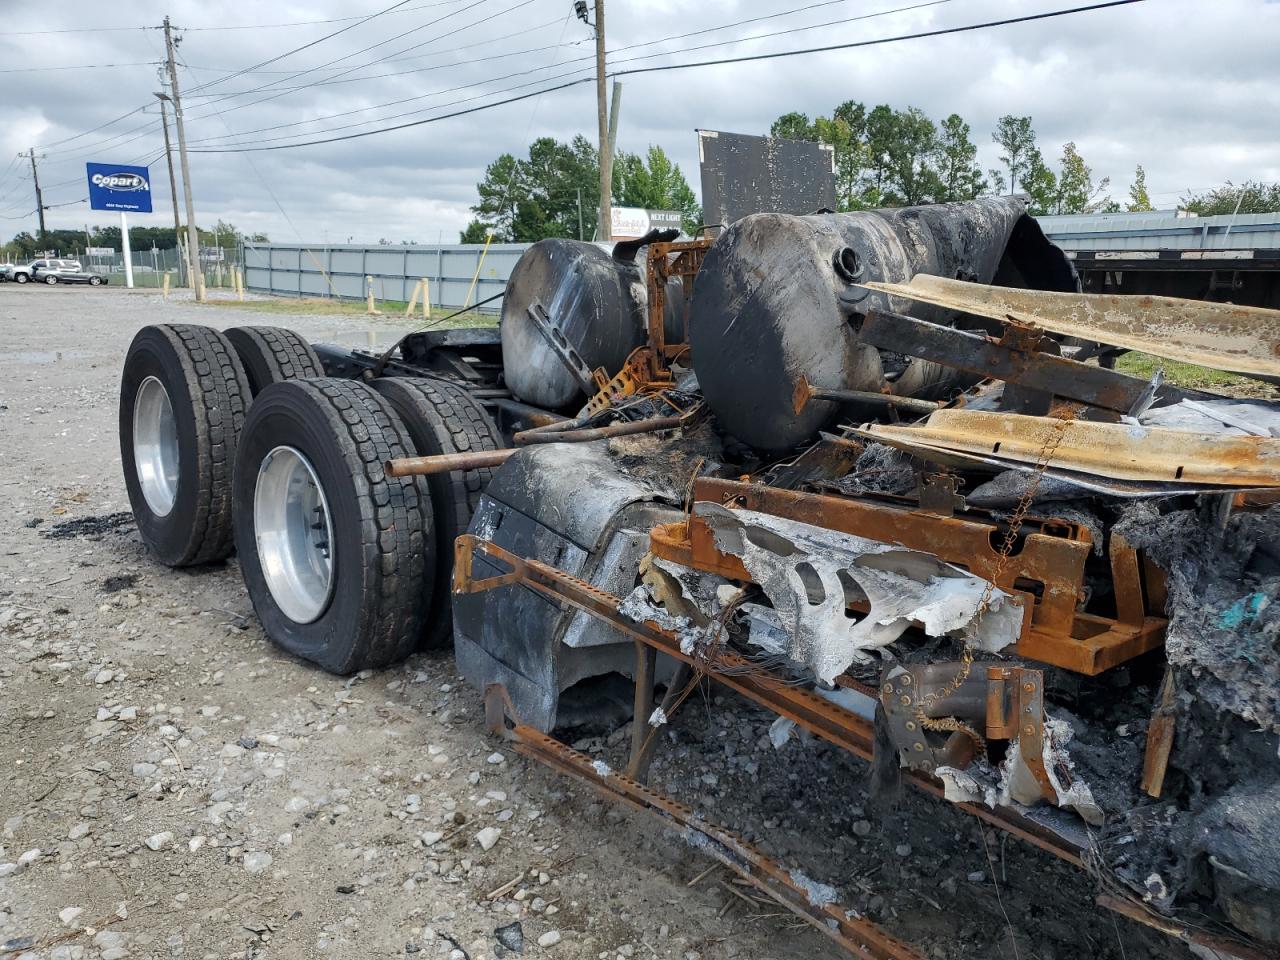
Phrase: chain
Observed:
(1016, 519)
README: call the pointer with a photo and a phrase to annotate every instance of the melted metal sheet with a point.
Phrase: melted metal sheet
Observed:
(1219, 335)
(1119, 450)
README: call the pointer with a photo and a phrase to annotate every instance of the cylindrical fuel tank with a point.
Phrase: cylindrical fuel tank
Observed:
(777, 298)
(597, 302)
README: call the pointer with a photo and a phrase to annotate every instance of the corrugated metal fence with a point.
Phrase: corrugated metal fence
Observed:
(1163, 230)
(293, 270)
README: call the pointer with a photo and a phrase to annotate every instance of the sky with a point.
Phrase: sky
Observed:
(1190, 89)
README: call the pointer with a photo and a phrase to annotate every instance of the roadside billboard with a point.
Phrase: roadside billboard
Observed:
(115, 186)
(630, 223)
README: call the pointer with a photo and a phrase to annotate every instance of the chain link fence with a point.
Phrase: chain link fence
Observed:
(218, 264)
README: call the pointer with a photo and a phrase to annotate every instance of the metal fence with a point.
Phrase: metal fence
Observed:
(150, 266)
(1163, 230)
(293, 270)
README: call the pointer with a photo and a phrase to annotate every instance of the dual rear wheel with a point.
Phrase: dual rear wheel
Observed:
(238, 441)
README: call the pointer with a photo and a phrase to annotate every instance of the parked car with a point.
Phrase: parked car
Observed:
(42, 269)
(72, 276)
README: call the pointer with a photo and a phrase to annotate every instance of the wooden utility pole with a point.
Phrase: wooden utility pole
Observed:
(602, 111)
(193, 238)
(173, 183)
(35, 178)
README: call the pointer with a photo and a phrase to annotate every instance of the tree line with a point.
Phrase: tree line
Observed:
(884, 157)
(555, 191)
(25, 245)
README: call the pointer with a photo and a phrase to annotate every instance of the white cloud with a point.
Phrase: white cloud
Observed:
(1187, 89)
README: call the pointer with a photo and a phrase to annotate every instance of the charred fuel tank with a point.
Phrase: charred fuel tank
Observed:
(599, 301)
(777, 298)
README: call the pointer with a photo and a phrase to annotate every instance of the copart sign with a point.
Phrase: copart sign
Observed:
(113, 186)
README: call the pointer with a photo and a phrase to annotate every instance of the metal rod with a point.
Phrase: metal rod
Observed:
(805, 391)
(598, 433)
(446, 462)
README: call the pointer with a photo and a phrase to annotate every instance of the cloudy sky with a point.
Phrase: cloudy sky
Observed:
(1190, 89)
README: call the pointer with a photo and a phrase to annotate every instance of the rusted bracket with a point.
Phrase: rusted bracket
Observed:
(1003, 702)
(590, 380)
(1011, 360)
(814, 903)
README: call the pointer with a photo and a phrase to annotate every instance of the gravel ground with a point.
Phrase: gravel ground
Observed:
(174, 786)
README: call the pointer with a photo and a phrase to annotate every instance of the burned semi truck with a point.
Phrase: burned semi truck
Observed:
(863, 470)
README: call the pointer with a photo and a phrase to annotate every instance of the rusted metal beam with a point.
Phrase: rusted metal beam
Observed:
(1219, 335)
(1046, 573)
(986, 356)
(810, 902)
(821, 717)
(446, 462)
(1118, 450)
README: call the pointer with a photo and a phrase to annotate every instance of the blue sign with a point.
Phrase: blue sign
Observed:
(113, 186)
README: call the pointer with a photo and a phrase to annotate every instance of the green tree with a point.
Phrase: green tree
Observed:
(1077, 192)
(555, 192)
(959, 175)
(1249, 197)
(1017, 140)
(912, 176)
(475, 232)
(1039, 182)
(793, 126)
(655, 183)
(1139, 200)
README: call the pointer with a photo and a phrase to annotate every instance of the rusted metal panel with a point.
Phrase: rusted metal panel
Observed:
(1009, 359)
(1118, 450)
(1219, 335)
(1047, 572)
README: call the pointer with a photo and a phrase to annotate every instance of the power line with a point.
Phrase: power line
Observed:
(80, 66)
(309, 23)
(276, 92)
(965, 28)
(308, 45)
(508, 76)
(882, 40)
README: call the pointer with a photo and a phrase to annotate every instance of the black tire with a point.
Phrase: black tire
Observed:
(21, 278)
(273, 355)
(51, 279)
(95, 281)
(442, 417)
(209, 395)
(382, 562)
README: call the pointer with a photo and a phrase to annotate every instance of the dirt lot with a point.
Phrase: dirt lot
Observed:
(174, 786)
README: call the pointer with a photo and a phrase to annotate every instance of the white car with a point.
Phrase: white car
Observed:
(41, 269)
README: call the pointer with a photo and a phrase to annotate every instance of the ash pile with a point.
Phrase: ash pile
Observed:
(879, 471)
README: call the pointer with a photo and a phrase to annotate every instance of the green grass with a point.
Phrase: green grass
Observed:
(1189, 375)
(392, 311)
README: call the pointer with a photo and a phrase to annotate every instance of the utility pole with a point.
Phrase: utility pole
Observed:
(173, 183)
(193, 239)
(35, 177)
(602, 111)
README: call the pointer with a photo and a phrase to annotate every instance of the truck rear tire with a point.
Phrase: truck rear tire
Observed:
(183, 399)
(273, 355)
(442, 417)
(336, 555)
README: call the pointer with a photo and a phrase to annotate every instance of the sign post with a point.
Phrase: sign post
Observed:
(124, 188)
(126, 250)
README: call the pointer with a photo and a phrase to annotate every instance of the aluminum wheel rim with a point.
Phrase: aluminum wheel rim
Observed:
(294, 534)
(155, 446)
